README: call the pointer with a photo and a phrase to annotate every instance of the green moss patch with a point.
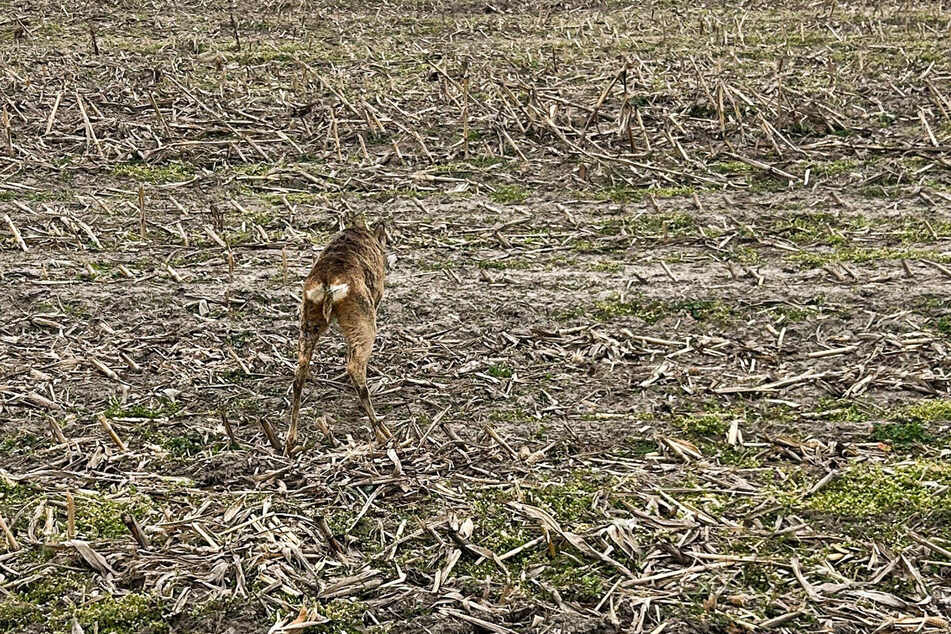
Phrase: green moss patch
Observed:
(640, 194)
(819, 228)
(508, 263)
(19, 443)
(943, 325)
(155, 174)
(650, 224)
(189, 443)
(607, 266)
(540, 570)
(860, 255)
(712, 424)
(834, 168)
(928, 411)
(43, 603)
(569, 500)
(873, 490)
(345, 616)
(17, 614)
(509, 194)
(100, 517)
(162, 408)
(652, 310)
(137, 613)
(646, 310)
(731, 167)
(13, 495)
(913, 423)
(900, 433)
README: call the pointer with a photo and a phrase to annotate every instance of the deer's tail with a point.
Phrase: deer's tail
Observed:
(333, 293)
(327, 295)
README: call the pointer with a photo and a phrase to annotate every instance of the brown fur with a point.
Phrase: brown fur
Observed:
(353, 258)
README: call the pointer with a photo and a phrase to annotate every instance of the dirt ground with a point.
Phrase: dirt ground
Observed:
(665, 340)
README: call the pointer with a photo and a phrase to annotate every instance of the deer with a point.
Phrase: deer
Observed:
(346, 284)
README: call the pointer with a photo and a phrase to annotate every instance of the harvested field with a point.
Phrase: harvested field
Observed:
(665, 341)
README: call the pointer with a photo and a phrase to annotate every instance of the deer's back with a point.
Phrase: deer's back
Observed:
(353, 256)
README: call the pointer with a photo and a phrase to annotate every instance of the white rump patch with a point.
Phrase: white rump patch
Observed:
(314, 294)
(338, 292)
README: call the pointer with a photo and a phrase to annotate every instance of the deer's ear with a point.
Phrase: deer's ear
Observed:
(379, 232)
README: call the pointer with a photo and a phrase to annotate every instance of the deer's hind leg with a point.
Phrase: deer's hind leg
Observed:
(357, 319)
(310, 331)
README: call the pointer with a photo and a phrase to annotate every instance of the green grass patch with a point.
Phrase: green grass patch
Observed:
(97, 517)
(741, 458)
(842, 410)
(512, 415)
(899, 426)
(568, 499)
(499, 371)
(703, 309)
(496, 526)
(41, 602)
(640, 447)
(743, 255)
(569, 314)
(573, 581)
(916, 230)
(934, 308)
(538, 570)
(254, 169)
(17, 614)
(765, 183)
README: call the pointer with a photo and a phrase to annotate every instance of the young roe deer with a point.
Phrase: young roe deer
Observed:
(347, 283)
